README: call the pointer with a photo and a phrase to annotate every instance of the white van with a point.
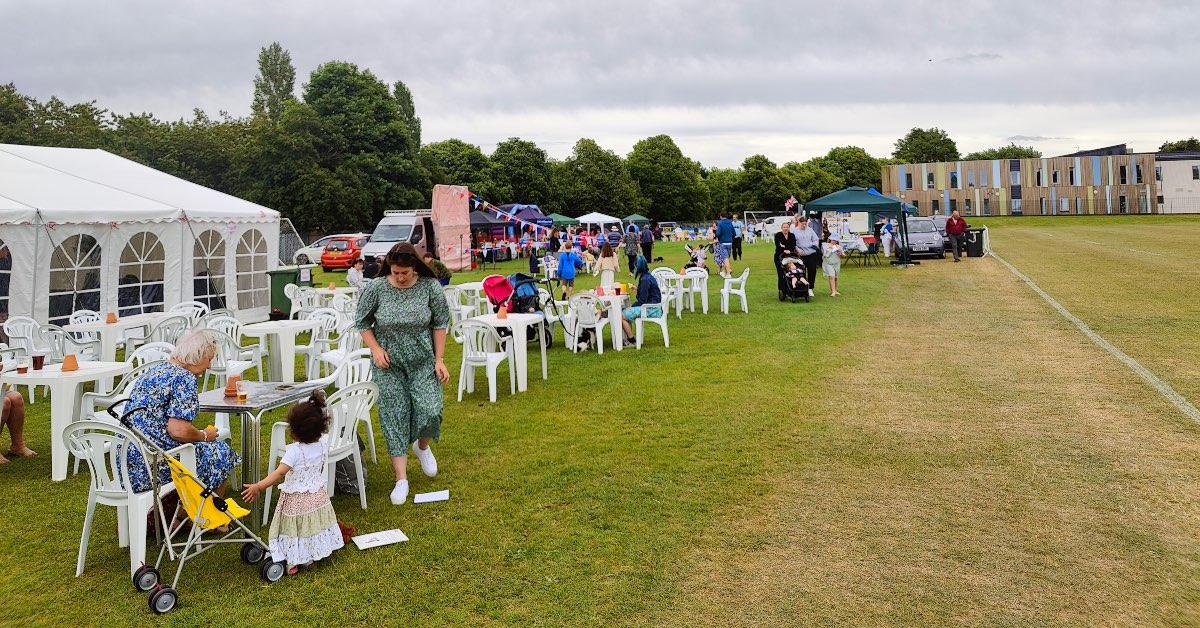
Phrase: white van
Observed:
(414, 226)
(771, 225)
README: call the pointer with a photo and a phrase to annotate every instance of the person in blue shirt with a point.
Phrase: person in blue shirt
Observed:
(724, 244)
(647, 292)
(646, 239)
(568, 262)
(738, 226)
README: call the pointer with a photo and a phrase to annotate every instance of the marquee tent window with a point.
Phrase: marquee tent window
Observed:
(141, 275)
(252, 270)
(5, 279)
(208, 263)
(74, 278)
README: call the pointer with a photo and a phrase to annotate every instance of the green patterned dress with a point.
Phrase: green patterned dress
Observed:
(403, 319)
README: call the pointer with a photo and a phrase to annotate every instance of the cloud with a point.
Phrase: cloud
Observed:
(1033, 138)
(975, 57)
(787, 78)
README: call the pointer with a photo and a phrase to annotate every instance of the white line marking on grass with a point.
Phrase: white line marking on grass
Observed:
(1146, 252)
(1162, 387)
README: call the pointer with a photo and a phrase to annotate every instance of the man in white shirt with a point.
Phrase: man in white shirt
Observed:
(354, 276)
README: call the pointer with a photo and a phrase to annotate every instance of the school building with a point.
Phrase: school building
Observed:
(1109, 180)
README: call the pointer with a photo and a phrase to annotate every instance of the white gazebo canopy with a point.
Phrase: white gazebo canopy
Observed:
(596, 218)
(86, 229)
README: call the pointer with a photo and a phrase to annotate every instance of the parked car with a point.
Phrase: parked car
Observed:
(923, 237)
(341, 252)
(311, 254)
(939, 221)
(412, 225)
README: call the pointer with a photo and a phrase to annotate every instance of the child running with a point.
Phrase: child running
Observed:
(305, 528)
(568, 261)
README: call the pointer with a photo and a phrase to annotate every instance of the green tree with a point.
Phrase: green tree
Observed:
(925, 146)
(720, 185)
(454, 162)
(1012, 151)
(408, 111)
(669, 180)
(517, 172)
(275, 83)
(16, 115)
(812, 179)
(593, 179)
(1180, 146)
(55, 123)
(761, 187)
(853, 165)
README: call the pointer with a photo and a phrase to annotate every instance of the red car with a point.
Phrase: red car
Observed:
(340, 253)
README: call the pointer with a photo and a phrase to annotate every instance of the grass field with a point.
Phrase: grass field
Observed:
(935, 447)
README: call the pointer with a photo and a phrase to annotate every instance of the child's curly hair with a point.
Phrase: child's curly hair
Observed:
(307, 420)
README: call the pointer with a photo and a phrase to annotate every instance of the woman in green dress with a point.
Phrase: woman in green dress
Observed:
(403, 318)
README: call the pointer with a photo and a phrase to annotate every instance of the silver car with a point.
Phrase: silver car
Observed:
(923, 237)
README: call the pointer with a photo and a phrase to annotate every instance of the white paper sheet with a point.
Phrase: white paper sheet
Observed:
(376, 539)
(436, 496)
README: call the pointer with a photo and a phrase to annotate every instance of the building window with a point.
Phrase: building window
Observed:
(953, 180)
(953, 205)
(74, 278)
(1042, 206)
(1158, 173)
(141, 272)
(1159, 200)
(251, 267)
(1015, 177)
(1143, 204)
(983, 178)
(1195, 173)
(5, 278)
(967, 207)
(1016, 207)
(917, 206)
(970, 178)
(987, 207)
(1122, 204)
(1137, 171)
(908, 180)
(208, 269)
(929, 181)
(933, 206)
(1124, 176)
(1071, 176)
(1078, 204)
(1054, 177)
(1038, 178)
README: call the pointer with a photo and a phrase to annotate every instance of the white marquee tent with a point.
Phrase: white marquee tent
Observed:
(86, 229)
(594, 219)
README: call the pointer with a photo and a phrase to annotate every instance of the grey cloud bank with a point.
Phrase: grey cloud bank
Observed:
(726, 79)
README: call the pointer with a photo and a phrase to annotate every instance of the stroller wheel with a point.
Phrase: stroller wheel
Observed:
(145, 578)
(253, 553)
(272, 571)
(781, 297)
(163, 600)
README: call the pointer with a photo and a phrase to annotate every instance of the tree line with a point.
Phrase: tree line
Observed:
(348, 147)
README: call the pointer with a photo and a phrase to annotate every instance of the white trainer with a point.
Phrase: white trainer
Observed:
(400, 493)
(428, 462)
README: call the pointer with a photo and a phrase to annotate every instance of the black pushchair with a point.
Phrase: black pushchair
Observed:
(788, 291)
(518, 293)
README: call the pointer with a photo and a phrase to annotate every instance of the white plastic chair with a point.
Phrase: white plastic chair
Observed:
(586, 314)
(562, 317)
(349, 340)
(85, 316)
(356, 369)
(22, 333)
(227, 360)
(735, 286)
(343, 304)
(646, 317)
(483, 348)
(668, 285)
(106, 447)
(232, 327)
(93, 406)
(59, 343)
(193, 310)
(303, 300)
(346, 408)
(462, 304)
(150, 352)
(321, 339)
(697, 279)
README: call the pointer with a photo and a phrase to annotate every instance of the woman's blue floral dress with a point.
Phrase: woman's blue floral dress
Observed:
(169, 391)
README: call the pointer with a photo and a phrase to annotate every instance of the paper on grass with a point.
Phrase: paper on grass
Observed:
(376, 539)
(436, 496)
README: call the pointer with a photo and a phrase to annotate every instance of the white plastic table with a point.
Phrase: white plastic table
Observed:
(113, 334)
(280, 337)
(615, 304)
(328, 293)
(519, 324)
(66, 393)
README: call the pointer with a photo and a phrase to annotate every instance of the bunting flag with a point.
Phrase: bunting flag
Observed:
(790, 203)
(486, 206)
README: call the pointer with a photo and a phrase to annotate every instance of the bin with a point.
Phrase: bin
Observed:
(302, 275)
(974, 242)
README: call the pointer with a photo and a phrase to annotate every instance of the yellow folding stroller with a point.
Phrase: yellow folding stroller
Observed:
(184, 538)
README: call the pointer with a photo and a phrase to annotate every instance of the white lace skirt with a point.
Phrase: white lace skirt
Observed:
(304, 529)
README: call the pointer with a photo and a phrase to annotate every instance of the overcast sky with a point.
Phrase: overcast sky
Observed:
(725, 79)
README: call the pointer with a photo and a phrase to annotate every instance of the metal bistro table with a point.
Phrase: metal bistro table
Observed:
(262, 397)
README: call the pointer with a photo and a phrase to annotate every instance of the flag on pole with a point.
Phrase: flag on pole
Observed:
(790, 203)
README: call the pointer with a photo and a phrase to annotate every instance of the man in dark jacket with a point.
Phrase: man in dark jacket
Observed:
(956, 230)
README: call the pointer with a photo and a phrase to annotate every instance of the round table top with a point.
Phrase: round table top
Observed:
(53, 373)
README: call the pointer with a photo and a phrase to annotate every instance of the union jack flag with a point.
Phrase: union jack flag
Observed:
(790, 203)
